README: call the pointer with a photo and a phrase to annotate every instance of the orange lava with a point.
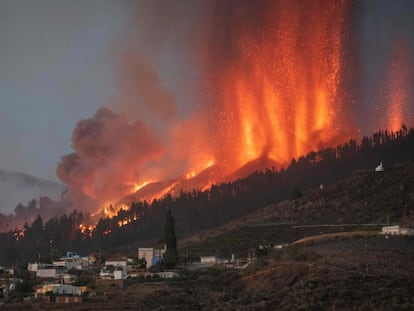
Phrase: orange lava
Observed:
(281, 96)
(141, 185)
(398, 84)
(276, 95)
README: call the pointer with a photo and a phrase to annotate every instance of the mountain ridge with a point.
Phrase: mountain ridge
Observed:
(19, 187)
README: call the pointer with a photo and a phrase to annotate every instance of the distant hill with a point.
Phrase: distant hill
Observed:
(18, 188)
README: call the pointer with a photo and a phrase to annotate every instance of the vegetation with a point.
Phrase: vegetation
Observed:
(171, 255)
(200, 210)
(338, 262)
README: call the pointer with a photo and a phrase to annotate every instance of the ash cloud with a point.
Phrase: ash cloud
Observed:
(108, 155)
(142, 89)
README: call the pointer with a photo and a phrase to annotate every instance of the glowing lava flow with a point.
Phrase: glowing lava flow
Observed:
(141, 185)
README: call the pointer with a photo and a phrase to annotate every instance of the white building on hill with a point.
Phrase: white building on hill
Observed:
(397, 230)
(62, 289)
(72, 261)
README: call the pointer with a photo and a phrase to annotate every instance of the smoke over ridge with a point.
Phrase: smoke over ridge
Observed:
(227, 82)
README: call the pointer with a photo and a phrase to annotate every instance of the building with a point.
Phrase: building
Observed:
(49, 273)
(396, 230)
(72, 261)
(208, 259)
(61, 289)
(116, 263)
(379, 168)
(45, 270)
(4, 270)
(33, 267)
(120, 275)
(151, 255)
(115, 268)
(390, 230)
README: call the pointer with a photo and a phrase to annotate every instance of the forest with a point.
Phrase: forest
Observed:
(143, 223)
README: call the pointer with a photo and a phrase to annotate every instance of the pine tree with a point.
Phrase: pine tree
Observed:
(171, 254)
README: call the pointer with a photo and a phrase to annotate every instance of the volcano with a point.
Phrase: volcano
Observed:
(270, 82)
(151, 191)
(201, 181)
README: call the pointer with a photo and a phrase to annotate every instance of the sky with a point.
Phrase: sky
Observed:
(60, 62)
(56, 67)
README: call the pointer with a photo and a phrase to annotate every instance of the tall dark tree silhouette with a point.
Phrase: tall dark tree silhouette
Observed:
(171, 254)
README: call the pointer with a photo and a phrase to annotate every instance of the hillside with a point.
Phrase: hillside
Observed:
(339, 261)
(361, 201)
(142, 223)
(357, 270)
(343, 264)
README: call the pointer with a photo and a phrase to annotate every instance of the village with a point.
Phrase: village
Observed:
(75, 279)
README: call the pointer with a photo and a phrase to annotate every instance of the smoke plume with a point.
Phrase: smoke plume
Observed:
(108, 155)
(227, 82)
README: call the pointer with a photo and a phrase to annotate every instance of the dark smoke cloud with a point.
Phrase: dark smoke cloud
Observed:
(108, 155)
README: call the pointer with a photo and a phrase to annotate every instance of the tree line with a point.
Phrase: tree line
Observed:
(197, 210)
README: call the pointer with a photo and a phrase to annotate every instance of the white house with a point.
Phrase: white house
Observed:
(115, 268)
(33, 267)
(62, 289)
(151, 255)
(49, 273)
(120, 275)
(396, 230)
(379, 168)
(117, 263)
(390, 230)
(72, 260)
(208, 259)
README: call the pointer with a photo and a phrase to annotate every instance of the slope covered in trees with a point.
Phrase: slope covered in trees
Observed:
(193, 211)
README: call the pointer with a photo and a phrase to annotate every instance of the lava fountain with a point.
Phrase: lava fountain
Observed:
(271, 89)
(398, 82)
(278, 88)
